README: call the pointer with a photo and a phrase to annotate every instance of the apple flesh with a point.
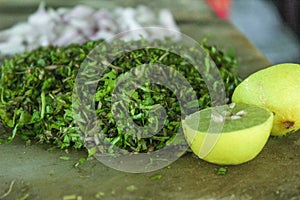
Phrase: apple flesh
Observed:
(276, 88)
(244, 131)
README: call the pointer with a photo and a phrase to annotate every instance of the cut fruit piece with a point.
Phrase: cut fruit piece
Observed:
(276, 88)
(229, 134)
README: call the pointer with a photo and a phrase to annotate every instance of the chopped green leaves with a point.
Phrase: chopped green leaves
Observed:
(36, 94)
(221, 171)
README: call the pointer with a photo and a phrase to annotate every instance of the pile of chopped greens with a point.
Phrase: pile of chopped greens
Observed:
(36, 94)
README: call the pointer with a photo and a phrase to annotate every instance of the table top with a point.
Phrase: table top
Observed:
(34, 172)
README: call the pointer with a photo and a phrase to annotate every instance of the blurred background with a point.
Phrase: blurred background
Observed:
(271, 25)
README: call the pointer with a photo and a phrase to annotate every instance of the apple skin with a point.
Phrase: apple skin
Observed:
(276, 88)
